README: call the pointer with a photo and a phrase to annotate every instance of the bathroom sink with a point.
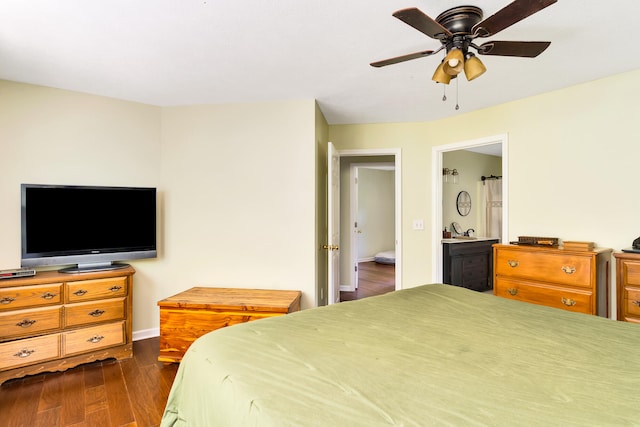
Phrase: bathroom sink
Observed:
(464, 237)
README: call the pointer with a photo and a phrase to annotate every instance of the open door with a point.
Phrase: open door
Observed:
(333, 226)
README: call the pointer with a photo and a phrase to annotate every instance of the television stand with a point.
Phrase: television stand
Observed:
(88, 268)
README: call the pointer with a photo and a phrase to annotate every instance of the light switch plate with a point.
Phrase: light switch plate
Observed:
(418, 224)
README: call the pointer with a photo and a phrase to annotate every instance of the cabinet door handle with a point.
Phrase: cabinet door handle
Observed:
(48, 295)
(25, 323)
(80, 292)
(569, 269)
(95, 339)
(568, 302)
(513, 263)
(512, 291)
(96, 313)
(7, 300)
(115, 288)
(24, 353)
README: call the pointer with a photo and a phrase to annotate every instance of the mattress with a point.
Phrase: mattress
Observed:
(430, 355)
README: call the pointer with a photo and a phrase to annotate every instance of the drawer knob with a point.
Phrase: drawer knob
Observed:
(568, 269)
(512, 291)
(568, 302)
(115, 288)
(96, 313)
(48, 295)
(513, 263)
(80, 292)
(95, 339)
(24, 353)
(25, 323)
(7, 300)
(636, 302)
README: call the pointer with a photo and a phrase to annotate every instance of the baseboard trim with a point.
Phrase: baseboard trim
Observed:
(146, 333)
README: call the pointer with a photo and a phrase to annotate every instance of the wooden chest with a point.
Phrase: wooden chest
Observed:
(628, 286)
(567, 279)
(190, 314)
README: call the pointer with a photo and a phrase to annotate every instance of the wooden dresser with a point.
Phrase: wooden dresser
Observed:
(567, 279)
(54, 321)
(190, 314)
(628, 286)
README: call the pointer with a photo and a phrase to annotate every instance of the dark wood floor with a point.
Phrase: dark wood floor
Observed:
(373, 279)
(131, 392)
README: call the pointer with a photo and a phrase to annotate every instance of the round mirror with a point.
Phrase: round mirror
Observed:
(463, 203)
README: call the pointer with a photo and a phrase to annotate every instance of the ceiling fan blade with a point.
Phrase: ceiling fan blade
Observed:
(509, 15)
(421, 22)
(521, 49)
(401, 58)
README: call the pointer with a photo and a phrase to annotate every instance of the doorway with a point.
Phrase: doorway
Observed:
(367, 157)
(499, 142)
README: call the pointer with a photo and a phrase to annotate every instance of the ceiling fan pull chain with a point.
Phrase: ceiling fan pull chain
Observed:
(444, 93)
(457, 106)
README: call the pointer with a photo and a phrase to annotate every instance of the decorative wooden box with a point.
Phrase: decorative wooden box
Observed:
(190, 314)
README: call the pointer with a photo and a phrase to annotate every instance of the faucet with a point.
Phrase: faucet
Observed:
(469, 231)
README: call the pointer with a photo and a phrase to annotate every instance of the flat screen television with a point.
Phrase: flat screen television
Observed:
(90, 227)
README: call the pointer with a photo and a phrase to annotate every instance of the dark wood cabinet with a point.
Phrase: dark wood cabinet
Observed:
(468, 263)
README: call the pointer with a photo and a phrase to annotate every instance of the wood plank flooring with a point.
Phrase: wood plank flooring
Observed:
(131, 392)
(373, 279)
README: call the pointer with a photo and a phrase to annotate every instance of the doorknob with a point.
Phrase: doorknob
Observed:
(330, 247)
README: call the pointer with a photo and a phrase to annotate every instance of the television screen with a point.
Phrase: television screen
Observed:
(87, 225)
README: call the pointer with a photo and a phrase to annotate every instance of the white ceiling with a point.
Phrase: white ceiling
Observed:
(184, 52)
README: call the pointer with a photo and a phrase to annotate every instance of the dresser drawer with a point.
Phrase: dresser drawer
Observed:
(93, 338)
(552, 296)
(28, 351)
(96, 289)
(631, 273)
(560, 268)
(84, 313)
(30, 296)
(29, 322)
(632, 301)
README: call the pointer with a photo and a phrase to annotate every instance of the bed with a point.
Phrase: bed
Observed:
(430, 355)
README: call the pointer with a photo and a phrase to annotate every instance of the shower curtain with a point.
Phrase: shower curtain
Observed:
(493, 200)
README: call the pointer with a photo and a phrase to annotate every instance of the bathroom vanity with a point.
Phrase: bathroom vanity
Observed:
(468, 262)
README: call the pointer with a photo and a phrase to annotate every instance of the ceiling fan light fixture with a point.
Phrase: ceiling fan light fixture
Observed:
(454, 62)
(473, 67)
(440, 76)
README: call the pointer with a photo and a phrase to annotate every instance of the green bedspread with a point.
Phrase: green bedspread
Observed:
(431, 355)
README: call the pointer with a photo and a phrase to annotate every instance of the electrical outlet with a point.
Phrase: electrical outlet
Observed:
(418, 224)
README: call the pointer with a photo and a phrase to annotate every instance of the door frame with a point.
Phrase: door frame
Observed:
(397, 153)
(436, 194)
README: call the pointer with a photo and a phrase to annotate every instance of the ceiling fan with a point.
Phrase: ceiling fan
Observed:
(458, 27)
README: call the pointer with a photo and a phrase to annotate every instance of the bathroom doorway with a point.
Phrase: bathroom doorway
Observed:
(492, 146)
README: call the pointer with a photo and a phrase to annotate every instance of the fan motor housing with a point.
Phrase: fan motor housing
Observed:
(460, 19)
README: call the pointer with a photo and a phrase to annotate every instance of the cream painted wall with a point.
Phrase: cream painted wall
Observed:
(237, 205)
(240, 208)
(572, 163)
